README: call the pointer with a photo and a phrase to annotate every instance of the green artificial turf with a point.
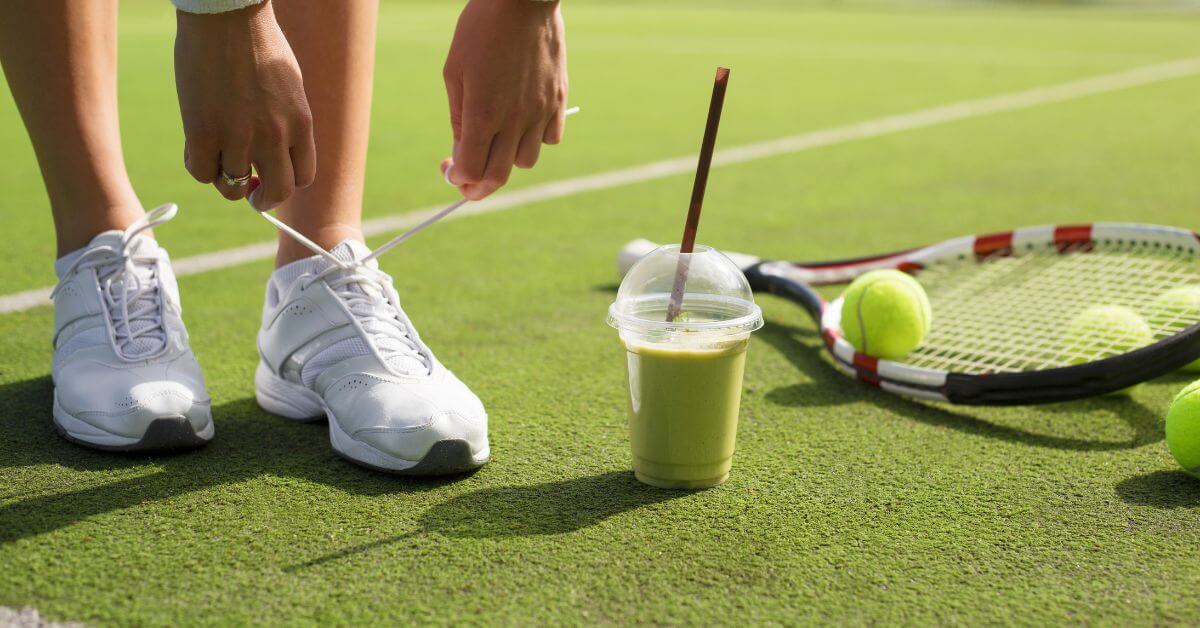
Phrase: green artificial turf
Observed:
(846, 504)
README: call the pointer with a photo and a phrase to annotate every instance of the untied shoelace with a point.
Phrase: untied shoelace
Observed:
(371, 304)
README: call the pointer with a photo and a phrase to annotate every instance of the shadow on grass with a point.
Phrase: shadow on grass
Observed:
(1177, 378)
(1161, 489)
(830, 388)
(250, 443)
(540, 509)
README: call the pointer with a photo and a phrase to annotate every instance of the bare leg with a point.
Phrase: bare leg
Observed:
(60, 58)
(334, 43)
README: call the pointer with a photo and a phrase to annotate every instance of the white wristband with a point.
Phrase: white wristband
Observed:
(213, 6)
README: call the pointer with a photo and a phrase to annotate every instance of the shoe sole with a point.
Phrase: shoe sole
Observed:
(293, 401)
(166, 433)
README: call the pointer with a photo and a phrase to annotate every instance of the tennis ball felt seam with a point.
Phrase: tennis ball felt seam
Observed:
(919, 295)
(1189, 392)
(862, 326)
(866, 293)
(858, 306)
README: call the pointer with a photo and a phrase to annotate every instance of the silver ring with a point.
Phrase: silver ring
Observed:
(236, 182)
(446, 174)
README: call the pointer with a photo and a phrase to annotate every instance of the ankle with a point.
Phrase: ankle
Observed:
(76, 231)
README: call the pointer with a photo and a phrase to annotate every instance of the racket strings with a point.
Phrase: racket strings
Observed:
(1019, 312)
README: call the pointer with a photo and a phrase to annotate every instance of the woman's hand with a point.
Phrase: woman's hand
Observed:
(243, 104)
(506, 76)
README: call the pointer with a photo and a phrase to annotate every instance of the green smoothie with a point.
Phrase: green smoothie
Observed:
(684, 411)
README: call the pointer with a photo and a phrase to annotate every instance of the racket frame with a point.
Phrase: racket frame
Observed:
(794, 281)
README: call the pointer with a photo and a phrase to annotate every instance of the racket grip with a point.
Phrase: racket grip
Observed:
(631, 253)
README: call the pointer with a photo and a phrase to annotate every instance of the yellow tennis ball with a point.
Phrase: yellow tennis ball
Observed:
(1183, 428)
(1174, 310)
(885, 314)
(1104, 331)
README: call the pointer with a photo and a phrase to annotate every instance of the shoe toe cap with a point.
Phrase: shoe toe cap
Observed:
(160, 398)
(126, 400)
(413, 444)
(405, 419)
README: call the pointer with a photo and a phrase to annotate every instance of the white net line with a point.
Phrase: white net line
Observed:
(1038, 308)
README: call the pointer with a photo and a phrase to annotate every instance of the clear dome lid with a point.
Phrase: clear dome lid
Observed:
(717, 302)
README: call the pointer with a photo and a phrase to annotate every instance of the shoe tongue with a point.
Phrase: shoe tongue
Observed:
(112, 240)
(108, 238)
(351, 250)
(140, 245)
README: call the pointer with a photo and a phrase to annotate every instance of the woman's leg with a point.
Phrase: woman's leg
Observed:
(334, 43)
(393, 408)
(60, 58)
(120, 381)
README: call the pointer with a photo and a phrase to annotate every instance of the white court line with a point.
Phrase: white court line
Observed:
(669, 167)
(30, 617)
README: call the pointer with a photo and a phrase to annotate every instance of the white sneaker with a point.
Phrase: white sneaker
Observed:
(334, 342)
(124, 376)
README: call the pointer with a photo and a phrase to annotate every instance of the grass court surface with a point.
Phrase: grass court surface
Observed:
(845, 505)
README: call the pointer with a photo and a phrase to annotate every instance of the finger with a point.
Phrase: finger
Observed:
(499, 167)
(530, 146)
(554, 130)
(471, 155)
(454, 93)
(201, 159)
(304, 154)
(480, 125)
(235, 162)
(447, 167)
(278, 180)
(304, 163)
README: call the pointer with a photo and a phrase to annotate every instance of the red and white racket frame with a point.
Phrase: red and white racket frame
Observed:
(793, 281)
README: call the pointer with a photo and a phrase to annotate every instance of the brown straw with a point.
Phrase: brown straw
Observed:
(693, 218)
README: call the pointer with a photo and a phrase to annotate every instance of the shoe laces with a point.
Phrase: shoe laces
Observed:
(128, 276)
(370, 297)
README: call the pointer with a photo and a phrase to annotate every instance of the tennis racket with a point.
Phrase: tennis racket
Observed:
(1002, 304)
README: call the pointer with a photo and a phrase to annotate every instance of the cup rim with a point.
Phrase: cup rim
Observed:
(752, 320)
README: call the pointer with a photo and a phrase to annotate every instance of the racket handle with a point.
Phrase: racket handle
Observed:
(631, 253)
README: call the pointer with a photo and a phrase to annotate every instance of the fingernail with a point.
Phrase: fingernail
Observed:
(252, 193)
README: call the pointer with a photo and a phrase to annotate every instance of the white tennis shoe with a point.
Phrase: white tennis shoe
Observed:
(124, 376)
(335, 343)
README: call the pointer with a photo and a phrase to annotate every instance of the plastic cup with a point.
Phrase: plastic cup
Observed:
(685, 376)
